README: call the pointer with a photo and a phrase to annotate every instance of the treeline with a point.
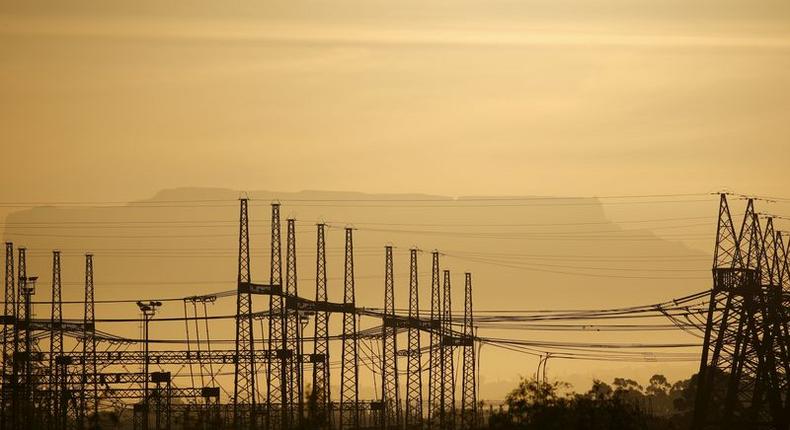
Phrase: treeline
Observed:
(623, 404)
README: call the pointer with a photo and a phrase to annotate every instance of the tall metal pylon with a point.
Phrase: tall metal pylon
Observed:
(89, 349)
(469, 381)
(778, 325)
(349, 373)
(293, 401)
(734, 380)
(10, 343)
(321, 392)
(719, 329)
(25, 403)
(276, 385)
(390, 396)
(771, 385)
(56, 399)
(447, 408)
(435, 358)
(740, 403)
(742, 381)
(244, 391)
(413, 418)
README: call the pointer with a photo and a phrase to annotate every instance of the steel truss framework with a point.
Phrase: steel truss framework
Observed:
(743, 377)
(61, 389)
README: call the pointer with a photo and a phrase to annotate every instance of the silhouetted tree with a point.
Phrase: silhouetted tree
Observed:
(623, 405)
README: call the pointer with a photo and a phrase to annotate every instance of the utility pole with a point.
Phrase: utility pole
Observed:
(148, 310)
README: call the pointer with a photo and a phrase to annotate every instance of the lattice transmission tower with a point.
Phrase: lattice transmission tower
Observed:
(742, 381)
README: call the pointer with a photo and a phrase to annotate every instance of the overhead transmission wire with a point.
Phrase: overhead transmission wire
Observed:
(547, 268)
(336, 200)
(201, 223)
(680, 304)
(494, 340)
(95, 224)
(544, 265)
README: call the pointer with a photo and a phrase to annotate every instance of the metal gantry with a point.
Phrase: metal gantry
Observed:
(93, 383)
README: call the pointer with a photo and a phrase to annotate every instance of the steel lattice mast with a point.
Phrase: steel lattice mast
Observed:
(20, 345)
(435, 359)
(742, 377)
(89, 345)
(726, 272)
(781, 320)
(276, 386)
(469, 387)
(292, 335)
(56, 400)
(772, 373)
(413, 418)
(447, 400)
(10, 343)
(244, 391)
(25, 416)
(321, 390)
(349, 376)
(739, 402)
(390, 397)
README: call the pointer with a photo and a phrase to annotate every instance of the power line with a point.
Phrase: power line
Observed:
(542, 268)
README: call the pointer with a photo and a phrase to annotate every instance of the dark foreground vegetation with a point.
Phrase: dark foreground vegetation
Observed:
(623, 404)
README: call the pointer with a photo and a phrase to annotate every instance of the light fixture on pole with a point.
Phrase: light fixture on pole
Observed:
(148, 311)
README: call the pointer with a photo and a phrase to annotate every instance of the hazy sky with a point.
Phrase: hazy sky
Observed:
(120, 99)
(109, 100)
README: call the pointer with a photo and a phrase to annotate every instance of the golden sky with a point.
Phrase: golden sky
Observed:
(558, 97)
(105, 100)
